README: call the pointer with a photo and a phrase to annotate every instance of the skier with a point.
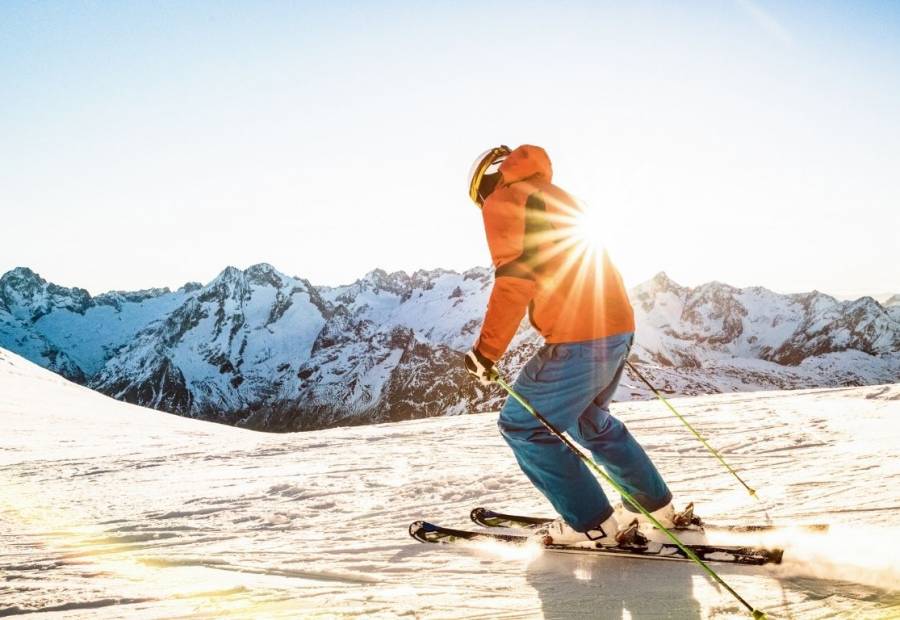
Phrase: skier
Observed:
(576, 299)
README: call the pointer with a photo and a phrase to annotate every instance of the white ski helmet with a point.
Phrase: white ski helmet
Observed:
(485, 173)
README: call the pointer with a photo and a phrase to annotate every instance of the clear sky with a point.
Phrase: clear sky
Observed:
(152, 143)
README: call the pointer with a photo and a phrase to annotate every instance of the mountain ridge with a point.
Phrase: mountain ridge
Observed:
(259, 348)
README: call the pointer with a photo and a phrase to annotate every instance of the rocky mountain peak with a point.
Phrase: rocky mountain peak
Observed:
(867, 303)
(657, 289)
(117, 298)
(229, 275)
(425, 278)
(482, 274)
(715, 289)
(264, 274)
(25, 293)
(660, 283)
(380, 280)
(21, 282)
(21, 276)
(236, 284)
(190, 287)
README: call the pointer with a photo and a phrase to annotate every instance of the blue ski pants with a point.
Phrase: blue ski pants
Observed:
(571, 385)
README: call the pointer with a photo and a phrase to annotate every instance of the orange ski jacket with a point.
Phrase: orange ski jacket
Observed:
(572, 291)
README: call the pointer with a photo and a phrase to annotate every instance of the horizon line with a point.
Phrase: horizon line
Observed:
(845, 296)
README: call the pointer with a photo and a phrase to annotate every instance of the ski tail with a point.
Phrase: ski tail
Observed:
(489, 518)
(426, 532)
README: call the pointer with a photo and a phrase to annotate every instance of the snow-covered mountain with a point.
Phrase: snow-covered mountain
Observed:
(114, 511)
(67, 330)
(752, 336)
(892, 305)
(261, 349)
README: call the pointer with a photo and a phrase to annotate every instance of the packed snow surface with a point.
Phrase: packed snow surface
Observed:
(110, 510)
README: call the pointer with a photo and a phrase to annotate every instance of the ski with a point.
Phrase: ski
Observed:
(490, 518)
(431, 533)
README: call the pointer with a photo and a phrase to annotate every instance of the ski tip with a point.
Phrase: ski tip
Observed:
(423, 531)
(477, 514)
(416, 530)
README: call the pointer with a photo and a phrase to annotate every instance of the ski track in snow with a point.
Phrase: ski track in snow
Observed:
(109, 510)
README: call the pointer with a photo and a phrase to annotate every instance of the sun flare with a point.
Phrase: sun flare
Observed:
(587, 231)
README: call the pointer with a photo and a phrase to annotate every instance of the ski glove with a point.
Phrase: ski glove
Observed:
(480, 367)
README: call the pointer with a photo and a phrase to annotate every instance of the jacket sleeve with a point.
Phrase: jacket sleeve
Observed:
(514, 282)
(506, 307)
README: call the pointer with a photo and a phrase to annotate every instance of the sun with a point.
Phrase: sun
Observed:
(571, 241)
(587, 229)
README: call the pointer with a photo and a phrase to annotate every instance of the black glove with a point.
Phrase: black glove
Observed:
(480, 367)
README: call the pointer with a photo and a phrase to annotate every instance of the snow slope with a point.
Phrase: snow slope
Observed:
(109, 510)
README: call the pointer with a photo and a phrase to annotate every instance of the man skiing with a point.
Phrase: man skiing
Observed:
(576, 299)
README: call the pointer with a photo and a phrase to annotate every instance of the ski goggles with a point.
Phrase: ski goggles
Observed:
(487, 165)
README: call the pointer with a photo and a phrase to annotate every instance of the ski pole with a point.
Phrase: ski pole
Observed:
(755, 613)
(714, 452)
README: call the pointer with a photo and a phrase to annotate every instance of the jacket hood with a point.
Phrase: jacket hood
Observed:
(526, 162)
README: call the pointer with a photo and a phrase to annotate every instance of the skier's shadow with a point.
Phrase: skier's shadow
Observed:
(603, 588)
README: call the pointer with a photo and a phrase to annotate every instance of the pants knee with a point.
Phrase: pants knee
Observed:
(513, 419)
(511, 432)
(597, 427)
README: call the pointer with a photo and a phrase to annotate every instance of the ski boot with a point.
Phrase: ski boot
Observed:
(632, 536)
(668, 518)
(558, 532)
